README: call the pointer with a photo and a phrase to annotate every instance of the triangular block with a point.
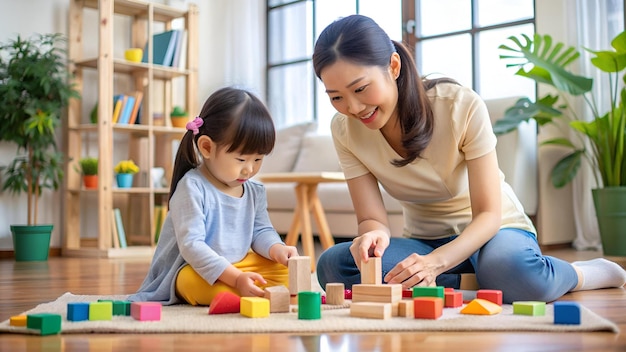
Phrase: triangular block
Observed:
(225, 303)
(480, 306)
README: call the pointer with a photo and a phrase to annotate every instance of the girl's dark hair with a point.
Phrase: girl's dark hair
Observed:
(233, 119)
(360, 40)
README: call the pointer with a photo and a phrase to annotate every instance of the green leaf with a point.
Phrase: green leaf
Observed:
(565, 170)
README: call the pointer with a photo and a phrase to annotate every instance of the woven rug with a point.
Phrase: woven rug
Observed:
(189, 319)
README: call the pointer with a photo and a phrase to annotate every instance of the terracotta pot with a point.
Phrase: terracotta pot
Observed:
(90, 181)
(179, 121)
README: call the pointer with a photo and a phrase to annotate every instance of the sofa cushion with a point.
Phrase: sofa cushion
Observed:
(288, 143)
(317, 153)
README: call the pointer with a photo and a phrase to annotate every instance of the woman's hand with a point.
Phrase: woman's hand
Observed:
(281, 253)
(414, 270)
(246, 286)
(369, 244)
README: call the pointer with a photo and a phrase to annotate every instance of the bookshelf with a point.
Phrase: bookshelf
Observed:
(88, 226)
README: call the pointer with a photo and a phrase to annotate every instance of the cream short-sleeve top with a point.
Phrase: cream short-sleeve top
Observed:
(434, 189)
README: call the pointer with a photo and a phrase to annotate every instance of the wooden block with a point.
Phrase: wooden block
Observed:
(279, 298)
(407, 293)
(309, 305)
(101, 310)
(18, 320)
(372, 271)
(118, 307)
(427, 307)
(534, 308)
(480, 306)
(494, 296)
(299, 274)
(566, 313)
(377, 293)
(335, 293)
(146, 311)
(255, 307)
(453, 299)
(78, 311)
(46, 323)
(428, 291)
(405, 308)
(224, 302)
(469, 282)
(370, 310)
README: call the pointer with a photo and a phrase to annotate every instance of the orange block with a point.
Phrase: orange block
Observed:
(479, 306)
(453, 299)
(224, 303)
(494, 296)
(427, 307)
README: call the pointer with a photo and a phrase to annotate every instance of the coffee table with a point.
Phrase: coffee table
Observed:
(307, 203)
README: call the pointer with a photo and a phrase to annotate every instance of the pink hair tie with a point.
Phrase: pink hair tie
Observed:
(195, 125)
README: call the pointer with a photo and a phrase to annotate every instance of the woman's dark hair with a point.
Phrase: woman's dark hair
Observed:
(234, 119)
(359, 40)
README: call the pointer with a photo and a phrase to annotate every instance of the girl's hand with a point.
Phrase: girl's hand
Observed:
(281, 253)
(369, 244)
(415, 270)
(246, 286)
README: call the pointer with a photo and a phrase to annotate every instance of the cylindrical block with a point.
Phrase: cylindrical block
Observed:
(309, 305)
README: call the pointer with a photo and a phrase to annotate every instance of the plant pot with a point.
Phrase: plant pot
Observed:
(610, 204)
(179, 121)
(90, 181)
(31, 243)
(124, 180)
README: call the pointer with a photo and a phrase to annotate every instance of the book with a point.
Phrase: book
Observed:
(118, 101)
(135, 111)
(114, 234)
(121, 234)
(129, 103)
(180, 46)
(164, 46)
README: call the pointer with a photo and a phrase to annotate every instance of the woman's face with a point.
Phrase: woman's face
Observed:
(367, 93)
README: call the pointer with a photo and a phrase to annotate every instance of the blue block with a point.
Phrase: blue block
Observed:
(78, 311)
(566, 313)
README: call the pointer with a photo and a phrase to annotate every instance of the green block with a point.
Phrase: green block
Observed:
(121, 308)
(101, 310)
(533, 308)
(436, 291)
(47, 323)
(309, 305)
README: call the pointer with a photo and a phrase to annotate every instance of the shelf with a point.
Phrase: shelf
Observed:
(126, 67)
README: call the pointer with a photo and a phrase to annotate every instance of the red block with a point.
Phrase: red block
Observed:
(407, 293)
(448, 289)
(224, 303)
(145, 311)
(347, 294)
(453, 299)
(493, 296)
(427, 307)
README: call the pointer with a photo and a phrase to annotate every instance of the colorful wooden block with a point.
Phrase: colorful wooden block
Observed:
(335, 293)
(18, 320)
(78, 311)
(407, 293)
(479, 306)
(46, 323)
(427, 307)
(428, 291)
(372, 271)
(101, 310)
(309, 305)
(566, 312)
(371, 310)
(279, 298)
(405, 308)
(225, 303)
(453, 299)
(255, 307)
(534, 308)
(146, 311)
(347, 294)
(121, 308)
(494, 296)
(299, 274)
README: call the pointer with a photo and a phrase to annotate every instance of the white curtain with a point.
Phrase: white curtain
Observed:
(598, 23)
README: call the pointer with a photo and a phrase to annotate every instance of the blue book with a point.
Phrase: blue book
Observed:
(127, 109)
(164, 47)
(120, 228)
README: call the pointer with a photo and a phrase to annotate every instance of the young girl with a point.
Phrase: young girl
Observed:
(431, 145)
(217, 235)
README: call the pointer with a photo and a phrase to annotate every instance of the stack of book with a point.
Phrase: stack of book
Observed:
(170, 48)
(126, 108)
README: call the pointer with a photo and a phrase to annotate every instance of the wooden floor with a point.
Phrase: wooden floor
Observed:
(24, 285)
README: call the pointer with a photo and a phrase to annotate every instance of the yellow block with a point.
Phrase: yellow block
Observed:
(18, 320)
(255, 307)
(480, 306)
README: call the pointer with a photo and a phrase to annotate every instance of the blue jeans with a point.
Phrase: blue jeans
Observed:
(511, 262)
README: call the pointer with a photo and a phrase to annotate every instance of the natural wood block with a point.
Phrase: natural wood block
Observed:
(494, 296)
(299, 274)
(427, 307)
(146, 311)
(566, 312)
(100, 310)
(18, 320)
(279, 298)
(370, 310)
(405, 308)
(335, 293)
(480, 306)
(372, 271)
(377, 293)
(453, 299)
(534, 308)
(255, 307)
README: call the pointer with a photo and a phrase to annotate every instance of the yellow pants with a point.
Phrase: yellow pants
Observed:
(192, 288)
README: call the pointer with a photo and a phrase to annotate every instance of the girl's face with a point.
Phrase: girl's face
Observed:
(366, 93)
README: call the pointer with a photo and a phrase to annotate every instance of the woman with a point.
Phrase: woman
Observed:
(430, 144)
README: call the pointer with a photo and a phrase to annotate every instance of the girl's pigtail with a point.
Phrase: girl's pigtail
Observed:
(186, 159)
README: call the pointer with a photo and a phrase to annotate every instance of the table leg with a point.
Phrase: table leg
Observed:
(294, 229)
(325, 236)
(306, 233)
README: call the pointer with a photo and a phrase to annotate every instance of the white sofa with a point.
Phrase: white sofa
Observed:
(299, 148)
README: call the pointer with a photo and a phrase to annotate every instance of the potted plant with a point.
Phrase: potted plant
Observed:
(599, 140)
(89, 170)
(179, 117)
(124, 171)
(35, 87)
